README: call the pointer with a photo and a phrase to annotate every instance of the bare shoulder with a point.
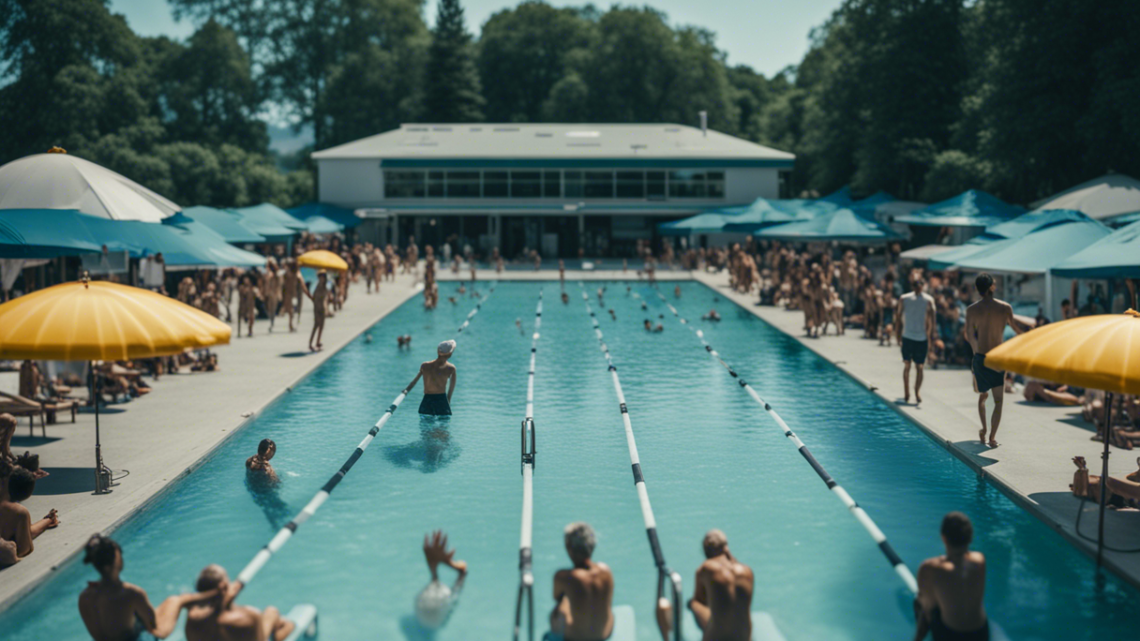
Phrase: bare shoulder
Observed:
(134, 590)
(977, 558)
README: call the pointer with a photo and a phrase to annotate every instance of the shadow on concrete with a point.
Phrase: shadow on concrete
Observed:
(33, 441)
(104, 410)
(1121, 528)
(976, 450)
(297, 354)
(66, 480)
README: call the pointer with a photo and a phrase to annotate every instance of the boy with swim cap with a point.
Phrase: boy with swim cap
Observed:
(437, 375)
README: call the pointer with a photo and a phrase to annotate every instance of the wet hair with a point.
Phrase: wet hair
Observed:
(210, 577)
(29, 461)
(983, 283)
(21, 484)
(100, 552)
(714, 543)
(580, 539)
(957, 530)
(264, 446)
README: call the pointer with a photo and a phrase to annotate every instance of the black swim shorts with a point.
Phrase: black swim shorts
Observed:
(914, 350)
(986, 378)
(435, 405)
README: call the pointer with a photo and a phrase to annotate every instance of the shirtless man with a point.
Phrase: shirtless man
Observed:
(437, 375)
(951, 588)
(584, 593)
(985, 324)
(914, 329)
(561, 273)
(259, 463)
(291, 288)
(218, 619)
(320, 297)
(722, 593)
(16, 526)
(116, 611)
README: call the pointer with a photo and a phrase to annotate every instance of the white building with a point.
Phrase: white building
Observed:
(558, 188)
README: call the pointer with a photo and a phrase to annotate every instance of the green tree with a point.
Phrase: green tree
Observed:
(452, 91)
(523, 54)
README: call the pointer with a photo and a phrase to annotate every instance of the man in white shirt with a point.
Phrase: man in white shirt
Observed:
(914, 327)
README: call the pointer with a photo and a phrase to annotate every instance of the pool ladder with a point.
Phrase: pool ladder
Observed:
(526, 575)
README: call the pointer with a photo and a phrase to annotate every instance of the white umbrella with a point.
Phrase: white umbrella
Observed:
(61, 181)
(1098, 198)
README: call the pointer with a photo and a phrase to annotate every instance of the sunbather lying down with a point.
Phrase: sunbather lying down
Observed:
(1122, 493)
(1052, 393)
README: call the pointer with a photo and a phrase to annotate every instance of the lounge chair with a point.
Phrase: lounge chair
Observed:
(20, 406)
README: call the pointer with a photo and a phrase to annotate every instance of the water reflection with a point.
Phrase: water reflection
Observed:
(266, 493)
(432, 451)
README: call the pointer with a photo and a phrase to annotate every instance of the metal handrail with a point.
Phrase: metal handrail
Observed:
(674, 580)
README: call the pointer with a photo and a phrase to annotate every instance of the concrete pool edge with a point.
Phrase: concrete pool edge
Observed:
(26, 586)
(719, 284)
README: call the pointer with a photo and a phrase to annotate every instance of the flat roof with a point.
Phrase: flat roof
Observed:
(553, 143)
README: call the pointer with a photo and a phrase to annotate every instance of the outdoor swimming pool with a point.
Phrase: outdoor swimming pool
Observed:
(711, 458)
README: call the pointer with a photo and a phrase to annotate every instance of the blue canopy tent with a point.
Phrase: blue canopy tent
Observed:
(340, 215)
(761, 213)
(840, 197)
(1016, 228)
(322, 225)
(709, 222)
(225, 223)
(37, 233)
(1114, 256)
(841, 225)
(867, 206)
(270, 221)
(1040, 250)
(971, 208)
(201, 236)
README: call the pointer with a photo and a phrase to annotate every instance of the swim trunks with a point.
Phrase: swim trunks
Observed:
(939, 631)
(913, 350)
(986, 378)
(435, 405)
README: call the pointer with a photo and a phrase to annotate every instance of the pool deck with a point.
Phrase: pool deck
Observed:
(1037, 441)
(165, 435)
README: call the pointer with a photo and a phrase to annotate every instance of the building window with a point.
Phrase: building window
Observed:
(551, 184)
(655, 185)
(687, 184)
(631, 184)
(526, 184)
(599, 184)
(404, 184)
(715, 181)
(462, 184)
(573, 184)
(495, 184)
(435, 184)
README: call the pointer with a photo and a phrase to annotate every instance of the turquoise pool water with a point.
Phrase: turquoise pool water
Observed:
(710, 456)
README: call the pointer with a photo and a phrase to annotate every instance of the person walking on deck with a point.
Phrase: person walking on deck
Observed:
(914, 331)
(985, 327)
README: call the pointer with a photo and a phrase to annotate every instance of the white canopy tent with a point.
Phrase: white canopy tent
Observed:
(1099, 198)
(60, 181)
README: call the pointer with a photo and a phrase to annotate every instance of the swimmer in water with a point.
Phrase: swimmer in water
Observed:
(368, 338)
(677, 291)
(259, 463)
(462, 289)
(565, 298)
(436, 601)
(612, 314)
(437, 375)
(451, 299)
(518, 324)
(404, 342)
(650, 328)
(711, 316)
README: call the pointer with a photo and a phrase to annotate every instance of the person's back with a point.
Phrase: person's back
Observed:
(219, 619)
(986, 321)
(951, 588)
(722, 596)
(584, 593)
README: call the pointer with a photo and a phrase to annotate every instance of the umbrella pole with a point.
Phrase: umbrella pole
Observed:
(1104, 476)
(102, 482)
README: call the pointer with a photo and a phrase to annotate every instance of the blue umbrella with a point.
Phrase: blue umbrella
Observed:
(205, 238)
(225, 223)
(839, 225)
(38, 233)
(340, 215)
(322, 225)
(971, 208)
(1114, 256)
(1038, 251)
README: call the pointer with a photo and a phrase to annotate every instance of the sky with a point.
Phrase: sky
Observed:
(766, 35)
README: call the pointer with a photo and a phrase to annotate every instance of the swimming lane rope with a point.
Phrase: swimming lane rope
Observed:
(526, 576)
(284, 534)
(860, 515)
(663, 572)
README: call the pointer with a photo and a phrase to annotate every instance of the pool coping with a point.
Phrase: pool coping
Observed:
(719, 284)
(43, 575)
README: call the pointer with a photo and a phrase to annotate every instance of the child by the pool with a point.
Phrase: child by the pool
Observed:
(437, 374)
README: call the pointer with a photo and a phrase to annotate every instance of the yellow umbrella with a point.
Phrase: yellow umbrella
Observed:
(90, 321)
(322, 259)
(1100, 352)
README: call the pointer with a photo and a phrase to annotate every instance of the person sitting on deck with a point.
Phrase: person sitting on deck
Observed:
(115, 611)
(584, 593)
(218, 618)
(951, 588)
(7, 431)
(1120, 493)
(16, 526)
(258, 464)
(436, 601)
(722, 593)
